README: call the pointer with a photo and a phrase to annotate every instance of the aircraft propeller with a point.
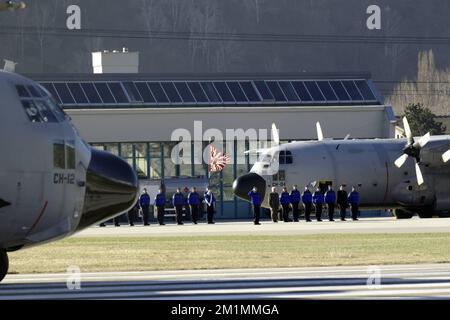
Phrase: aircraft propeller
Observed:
(446, 156)
(275, 141)
(412, 149)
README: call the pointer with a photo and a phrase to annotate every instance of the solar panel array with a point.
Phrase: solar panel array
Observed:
(85, 94)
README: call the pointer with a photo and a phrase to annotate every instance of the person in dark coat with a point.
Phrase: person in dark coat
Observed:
(210, 202)
(342, 201)
(295, 201)
(330, 200)
(353, 199)
(144, 202)
(194, 203)
(255, 199)
(160, 203)
(318, 200)
(132, 213)
(178, 202)
(274, 203)
(307, 201)
(285, 201)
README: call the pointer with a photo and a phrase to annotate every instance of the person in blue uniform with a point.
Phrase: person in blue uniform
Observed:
(285, 201)
(318, 200)
(194, 203)
(353, 200)
(210, 202)
(178, 202)
(307, 203)
(132, 213)
(255, 199)
(144, 202)
(295, 201)
(330, 200)
(160, 203)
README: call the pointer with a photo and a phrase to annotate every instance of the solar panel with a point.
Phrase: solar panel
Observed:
(184, 92)
(145, 92)
(104, 92)
(216, 92)
(352, 90)
(50, 88)
(250, 91)
(276, 91)
(224, 92)
(77, 93)
(301, 90)
(198, 92)
(119, 94)
(314, 91)
(210, 91)
(340, 90)
(132, 92)
(365, 90)
(264, 90)
(171, 92)
(288, 90)
(64, 93)
(158, 92)
(237, 91)
(91, 93)
(328, 93)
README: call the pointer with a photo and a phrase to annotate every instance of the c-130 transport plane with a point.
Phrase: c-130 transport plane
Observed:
(417, 181)
(52, 184)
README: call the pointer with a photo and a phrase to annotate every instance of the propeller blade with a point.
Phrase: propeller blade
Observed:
(401, 160)
(446, 156)
(419, 175)
(408, 130)
(423, 141)
(347, 137)
(275, 134)
(319, 131)
(255, 151)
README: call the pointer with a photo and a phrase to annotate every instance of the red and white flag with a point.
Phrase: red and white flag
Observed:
(217, 160)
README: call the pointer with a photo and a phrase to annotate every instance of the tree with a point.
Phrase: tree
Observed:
(422, 120)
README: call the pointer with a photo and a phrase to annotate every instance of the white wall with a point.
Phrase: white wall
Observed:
(135, 125)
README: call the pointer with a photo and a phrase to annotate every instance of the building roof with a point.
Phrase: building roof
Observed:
(90, 91)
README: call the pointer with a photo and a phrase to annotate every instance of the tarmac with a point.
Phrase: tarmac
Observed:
(364, 225)
(362, 282)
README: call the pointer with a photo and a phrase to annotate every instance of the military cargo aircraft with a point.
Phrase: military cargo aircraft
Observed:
(409, 175)
(52, 184)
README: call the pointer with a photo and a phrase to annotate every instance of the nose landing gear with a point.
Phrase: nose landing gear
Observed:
(4, 264)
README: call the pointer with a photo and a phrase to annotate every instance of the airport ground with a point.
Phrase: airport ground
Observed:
(237, 260)
(228, 245)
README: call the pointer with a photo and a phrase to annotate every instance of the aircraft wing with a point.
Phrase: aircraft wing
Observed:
(432, 153)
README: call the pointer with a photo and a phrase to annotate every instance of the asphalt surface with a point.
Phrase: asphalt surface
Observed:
(396, 282)
(364, 225)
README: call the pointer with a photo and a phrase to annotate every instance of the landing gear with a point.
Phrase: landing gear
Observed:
(425, 214)
(402, 214)
(4, 264)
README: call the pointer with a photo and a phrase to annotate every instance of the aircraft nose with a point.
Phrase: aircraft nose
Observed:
(245, 183)
(111, 188)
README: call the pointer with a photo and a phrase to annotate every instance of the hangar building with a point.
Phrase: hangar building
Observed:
(134, 116)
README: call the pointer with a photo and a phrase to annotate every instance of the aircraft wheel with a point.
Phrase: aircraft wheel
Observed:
(402, 214)
(4, 264)
(425, 215)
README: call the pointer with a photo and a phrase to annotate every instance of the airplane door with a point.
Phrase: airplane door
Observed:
(278, 179)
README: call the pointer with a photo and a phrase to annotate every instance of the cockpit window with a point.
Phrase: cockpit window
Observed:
(34, 92)
(285, 157)
(22, 91)
(39, 105)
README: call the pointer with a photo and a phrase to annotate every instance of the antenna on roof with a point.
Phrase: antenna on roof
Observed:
(10, 66)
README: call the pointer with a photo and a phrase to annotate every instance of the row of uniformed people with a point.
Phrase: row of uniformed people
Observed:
(179, 201)
(285, 201)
